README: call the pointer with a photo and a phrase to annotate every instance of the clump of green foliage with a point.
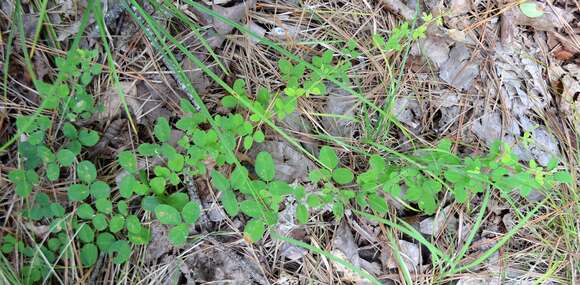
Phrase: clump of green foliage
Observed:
(104, 217)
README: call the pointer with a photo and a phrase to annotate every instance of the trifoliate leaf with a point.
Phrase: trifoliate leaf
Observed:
(133, 224)
(52, 171)
(104, 241)
(230, 202)
(100, 222)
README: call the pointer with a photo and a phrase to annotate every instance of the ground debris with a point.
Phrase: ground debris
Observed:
(341, 104)
(410, 253)
(217, 263)
(345, 247)
(434, 225)
(459, 70)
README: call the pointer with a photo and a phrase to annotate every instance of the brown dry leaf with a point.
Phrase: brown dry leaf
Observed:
(460, 69)
(287, 227)
(113, 105)
(235, 13)
(160, 244)
(408, 111)
(410, 253)
(339, 102)
(566, 81)
(434, 225)
(345, 247)
(553, 18)
(216, 263)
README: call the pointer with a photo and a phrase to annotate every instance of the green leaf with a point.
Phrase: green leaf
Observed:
(147, 149)
(100, 189)
(302, 214)
(178, 234)
(86, 171)
(229, 202)
(128, 183)
(85, 211)
(69, 131)
(219, 181)
(86, 233)
(229, 102)
(78, 192)
(254, 230)
(378, 203)
(531, 9)
(133, 224)
(191, 212)
(177, 200)
(17, 176)
(123, 207)
(88, 137)
(128, 161)
(248, 142)
(104, 206)
(122, 250)
(65, 157)
(149, 203)
(142, 237)
(45, 154)
(104, 241)
(162, 130)
(89, 253)
(251, 208)
(259, 136)
(52, 171)
(157, 185)
(285, 66)
(116, 224)
(167, 215)
(313, 201)
(342, 175)
(57, 210)
(563, 177)
(176, 162)
(265, 167)
(328, 157)
(100, 222)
